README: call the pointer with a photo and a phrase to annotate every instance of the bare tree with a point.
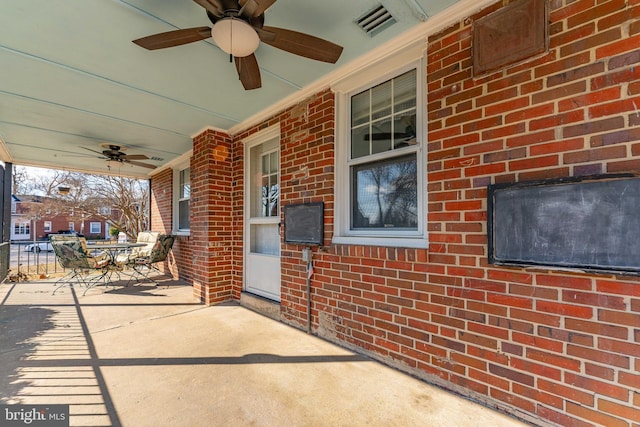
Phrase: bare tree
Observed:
(21, 182)
(127, 198)
(123, 202)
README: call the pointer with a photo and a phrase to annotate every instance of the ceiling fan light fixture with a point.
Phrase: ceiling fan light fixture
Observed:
(235, 37)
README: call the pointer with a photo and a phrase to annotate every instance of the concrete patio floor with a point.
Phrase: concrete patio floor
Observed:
(152, 356)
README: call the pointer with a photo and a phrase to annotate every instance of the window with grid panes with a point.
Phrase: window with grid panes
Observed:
(380, 184)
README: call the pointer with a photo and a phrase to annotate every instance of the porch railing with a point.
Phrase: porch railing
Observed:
(31, 263)
(25, 264)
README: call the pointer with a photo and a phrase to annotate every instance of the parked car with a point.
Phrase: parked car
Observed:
(70, 232)
(39, 247)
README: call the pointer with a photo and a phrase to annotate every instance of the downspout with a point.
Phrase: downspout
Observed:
(307, 255)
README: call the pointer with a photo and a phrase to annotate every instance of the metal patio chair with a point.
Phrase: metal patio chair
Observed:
(149, 238)
(144, 264)
(72, 253)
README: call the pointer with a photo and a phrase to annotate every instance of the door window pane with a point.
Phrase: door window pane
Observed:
(269, 188)
(265, 239)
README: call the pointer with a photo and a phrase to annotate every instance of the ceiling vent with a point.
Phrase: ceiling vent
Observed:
(376, 20)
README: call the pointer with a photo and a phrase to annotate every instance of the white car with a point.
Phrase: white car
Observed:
(38, 247)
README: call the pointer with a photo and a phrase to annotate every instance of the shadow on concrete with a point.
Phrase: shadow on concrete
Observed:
(48, 356)
(20, 326)
(37, 344)
(257, 358)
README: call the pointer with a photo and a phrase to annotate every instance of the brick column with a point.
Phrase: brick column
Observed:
(211, 182)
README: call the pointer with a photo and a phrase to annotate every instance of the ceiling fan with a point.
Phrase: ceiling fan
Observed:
(115, 153)
(238, 28)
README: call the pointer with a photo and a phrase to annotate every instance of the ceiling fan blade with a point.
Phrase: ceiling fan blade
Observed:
(249, 72)
(304, 45)
(264, 35)
(252, 8)
(144, 165)
(135, 157)
(93, 151)
(212, 6)
(174, 38)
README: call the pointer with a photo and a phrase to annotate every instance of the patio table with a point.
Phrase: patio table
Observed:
(113, 250)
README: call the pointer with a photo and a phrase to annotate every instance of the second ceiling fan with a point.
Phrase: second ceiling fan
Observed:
(244, 20)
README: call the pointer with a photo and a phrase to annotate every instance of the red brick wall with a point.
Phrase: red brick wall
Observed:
(204, 257)
(306, 168)
(161, 220)
(211, 224)
(564, 347)
(548, 346)
(161, 199)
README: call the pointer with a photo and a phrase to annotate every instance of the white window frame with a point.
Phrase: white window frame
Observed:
(72, 226)
(380, 72)
(176, 198)
(93, 224)
(22, 228)
(47, 227)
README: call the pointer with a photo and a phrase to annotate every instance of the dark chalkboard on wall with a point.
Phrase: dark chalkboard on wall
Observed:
(304, 223)
(583, 223)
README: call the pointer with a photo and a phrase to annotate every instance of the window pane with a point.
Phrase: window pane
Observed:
(385, 194)
(381, 136)
(185, 183)
(404, 125)
(384, 117)
(183, 214)
(360, 108)
(360, 142)
(381, 100)
(404, 91)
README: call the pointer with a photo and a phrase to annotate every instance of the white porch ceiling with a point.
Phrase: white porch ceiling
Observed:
(70, 77)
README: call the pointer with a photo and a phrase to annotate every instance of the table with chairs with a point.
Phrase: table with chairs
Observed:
(93, 264)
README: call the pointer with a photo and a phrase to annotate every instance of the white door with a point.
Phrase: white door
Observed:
(262, 217)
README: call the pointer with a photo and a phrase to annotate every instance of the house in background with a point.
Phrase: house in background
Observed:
(47, 222)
